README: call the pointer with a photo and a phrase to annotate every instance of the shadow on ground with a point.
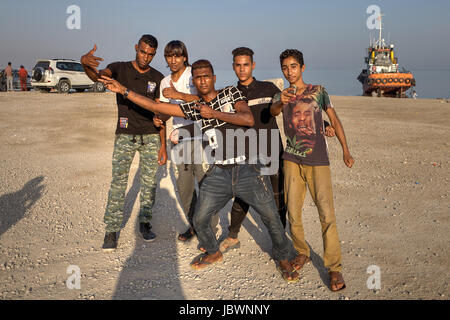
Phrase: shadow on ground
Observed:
(14, 206)
(151, 272)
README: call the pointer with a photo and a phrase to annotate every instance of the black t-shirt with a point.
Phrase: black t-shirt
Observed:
(259, 95)
(223, 140)
(132, 119)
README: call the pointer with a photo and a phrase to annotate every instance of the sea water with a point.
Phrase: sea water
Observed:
(343, 82)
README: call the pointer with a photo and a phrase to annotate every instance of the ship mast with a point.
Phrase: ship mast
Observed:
(380, 43)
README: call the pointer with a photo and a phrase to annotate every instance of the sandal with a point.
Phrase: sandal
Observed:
(299, 261)
(336, 279)
(184, 237)
(200, 263)
(227, 245)
(289, 276)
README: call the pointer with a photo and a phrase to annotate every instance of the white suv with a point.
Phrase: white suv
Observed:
(62, 74)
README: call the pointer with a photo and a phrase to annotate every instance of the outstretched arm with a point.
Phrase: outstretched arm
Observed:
(144, 102)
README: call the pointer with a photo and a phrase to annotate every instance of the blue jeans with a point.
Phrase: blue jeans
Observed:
(246, 182)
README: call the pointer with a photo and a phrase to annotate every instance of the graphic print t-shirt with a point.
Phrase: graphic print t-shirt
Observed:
(225, 151)
(132, 119)
(304, 129)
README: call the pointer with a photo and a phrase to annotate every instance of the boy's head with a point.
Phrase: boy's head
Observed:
(145, 50)
(176, 55)
(292, 65)
(203, 76)
(243, 63)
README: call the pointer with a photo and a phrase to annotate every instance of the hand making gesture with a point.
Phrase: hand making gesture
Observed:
(171, 92)
(91, 61)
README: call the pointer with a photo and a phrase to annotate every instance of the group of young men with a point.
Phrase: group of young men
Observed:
(227, 141)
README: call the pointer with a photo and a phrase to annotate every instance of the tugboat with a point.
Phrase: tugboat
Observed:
(381, 76)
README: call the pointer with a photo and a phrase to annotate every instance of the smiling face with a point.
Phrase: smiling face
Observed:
(204, 80)
(144, 54)
(243, 67)
(303, 119)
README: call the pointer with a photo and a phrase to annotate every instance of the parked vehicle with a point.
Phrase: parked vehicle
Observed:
(16, 81)
(63, 75)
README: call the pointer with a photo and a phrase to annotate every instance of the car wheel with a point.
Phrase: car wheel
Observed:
(99, 87)
(64, 86)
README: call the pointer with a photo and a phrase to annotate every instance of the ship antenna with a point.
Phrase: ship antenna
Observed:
(381, 28)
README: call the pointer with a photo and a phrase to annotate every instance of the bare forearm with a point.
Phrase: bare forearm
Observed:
(162, 136)
(188, 97)
(94, 75)
(91, 73)
(149, 104)
(238, 118)
(340, 134)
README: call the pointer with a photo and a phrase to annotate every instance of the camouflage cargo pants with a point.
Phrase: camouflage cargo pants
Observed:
(125, 147)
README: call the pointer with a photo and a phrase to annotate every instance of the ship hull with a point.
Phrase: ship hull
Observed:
(386, 84)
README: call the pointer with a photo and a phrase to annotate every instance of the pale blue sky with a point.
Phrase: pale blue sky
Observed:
(331, 34)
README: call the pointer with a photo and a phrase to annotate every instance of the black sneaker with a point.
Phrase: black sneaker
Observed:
(146, 231)
(110, 242)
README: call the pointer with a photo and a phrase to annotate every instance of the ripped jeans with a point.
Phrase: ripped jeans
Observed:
(219, 185)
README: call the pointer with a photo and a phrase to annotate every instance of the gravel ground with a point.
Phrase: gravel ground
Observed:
(392, 210)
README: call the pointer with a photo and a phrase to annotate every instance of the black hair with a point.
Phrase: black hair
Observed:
(202, 64)
(9, 63)
(243, 51)
(21, 66)
(150, 40)
(176, 48)
(297, 55)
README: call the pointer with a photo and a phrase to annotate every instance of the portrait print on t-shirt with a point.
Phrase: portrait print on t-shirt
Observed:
(303, 125)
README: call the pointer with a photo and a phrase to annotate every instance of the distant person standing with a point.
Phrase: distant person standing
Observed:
(414, 94)
(9, 77)
(23, 75)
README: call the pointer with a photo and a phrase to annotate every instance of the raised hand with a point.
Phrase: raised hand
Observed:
(286, 95)
(91, 61)
(171, 92)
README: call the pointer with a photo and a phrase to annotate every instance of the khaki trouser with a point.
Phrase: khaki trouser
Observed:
(318, 180)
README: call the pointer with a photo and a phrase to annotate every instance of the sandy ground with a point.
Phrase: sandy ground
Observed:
(392, 210)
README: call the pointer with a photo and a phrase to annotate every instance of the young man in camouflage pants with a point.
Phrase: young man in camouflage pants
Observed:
(135, 133)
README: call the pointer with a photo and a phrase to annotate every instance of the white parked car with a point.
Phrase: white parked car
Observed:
(63, 75)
